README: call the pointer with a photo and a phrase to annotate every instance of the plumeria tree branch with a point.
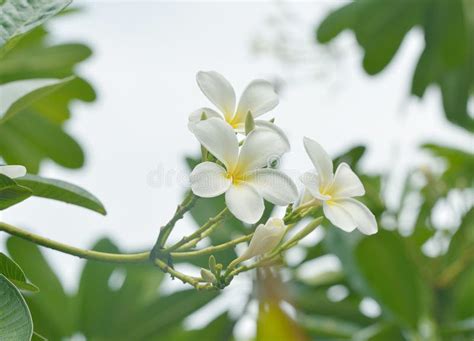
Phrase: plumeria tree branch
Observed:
(165, 230)
(238, 154)
(74, 251)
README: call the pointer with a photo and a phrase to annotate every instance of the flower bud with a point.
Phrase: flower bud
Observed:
(249, 123)
(208, 276)
(265, 238)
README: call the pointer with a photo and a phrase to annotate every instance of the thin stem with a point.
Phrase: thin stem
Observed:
(264, 260)
(165, 230)
(194, 281)
(198, 233)
(74, 251)
(194, 242)
(212, 249)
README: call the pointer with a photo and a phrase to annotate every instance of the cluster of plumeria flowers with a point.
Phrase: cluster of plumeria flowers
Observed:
(238, 151)
(238, 154)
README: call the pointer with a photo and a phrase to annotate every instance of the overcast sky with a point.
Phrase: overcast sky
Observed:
(145, 59)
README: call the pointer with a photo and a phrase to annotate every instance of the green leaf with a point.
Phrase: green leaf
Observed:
(462, 242)
(45, 304)
(388, 270)
(18, 17)
(352, 156)
(26, 140)
(38, 337)
(459, 165)
(119, 292)
(219, 329)
(11, 193)
(379, 332)
(449, 44)
(463, 295)
(15, 274)
(327, 328)
(314, 301)
(19, 95)
(15, 318)
(55, 61)
(61, 191)
(163, 313)
(29, 137)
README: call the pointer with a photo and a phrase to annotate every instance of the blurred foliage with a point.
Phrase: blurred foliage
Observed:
(18, 17)
(421, 297)
(447, 59)
(416, 294)
(112, 302)
(37, 132)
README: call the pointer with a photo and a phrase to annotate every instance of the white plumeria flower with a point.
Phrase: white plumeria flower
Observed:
(265, 238)
(13, 171)
(258, 98)
(242, 178)
(336, 192)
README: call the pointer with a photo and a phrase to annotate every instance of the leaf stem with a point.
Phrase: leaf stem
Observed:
(74, 251)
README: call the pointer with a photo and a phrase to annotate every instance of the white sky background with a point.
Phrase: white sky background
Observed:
(145, 59)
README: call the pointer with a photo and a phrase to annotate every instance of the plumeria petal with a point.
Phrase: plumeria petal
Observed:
(218, 90)
(321, 161)
(13, 171)
(339, 216)
(261, 147)
(346, 183)
(259, 97)
(219, 138)
(209, 180)
(274, 185)
(361, 215)
(196, 115)
(305, 197)
(275, 128)
(245, 202)
(265, 238)
(312, 185)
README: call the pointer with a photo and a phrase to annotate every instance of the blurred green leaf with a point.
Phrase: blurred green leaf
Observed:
(390, 274)
(122, 291)
(462, 242)
(29, 137)
(327, 328)
(18, 17)
(315, 301)
(459, 165)
(11, 193)
(15, 274)
(15, 318)
(44, 305)
(36, 132)
(449, 44)
(38, 337)
(352, 157)
(379, 332)
(164, 313)
(463, 295)
(18, 95)
(61, 191)
(219, 329)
